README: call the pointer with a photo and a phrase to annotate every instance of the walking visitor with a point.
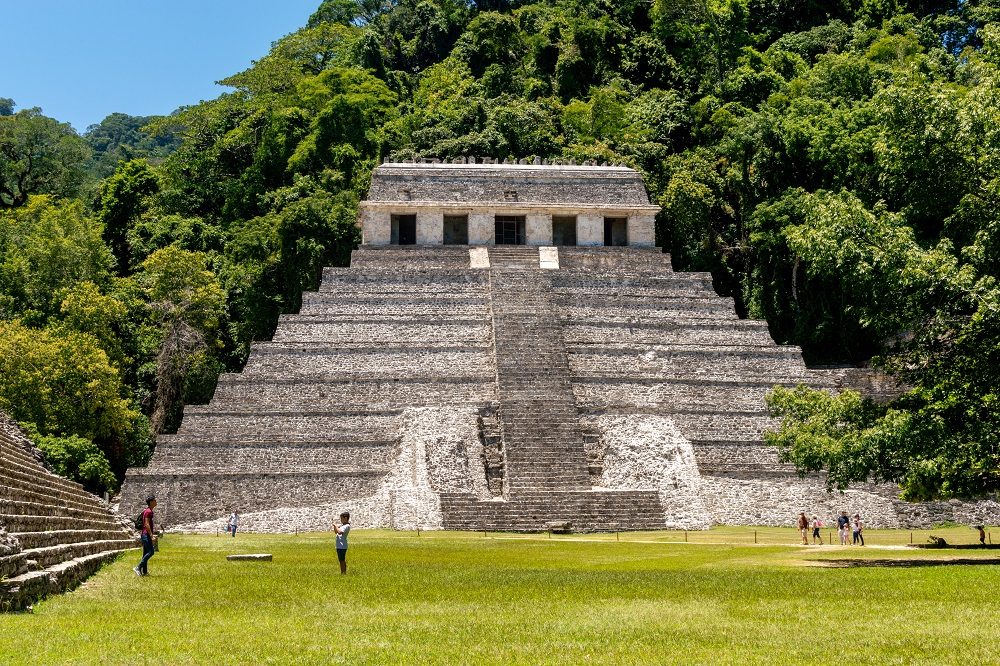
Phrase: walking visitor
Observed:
(234, 520)
(803, 524)
(816, 525)
(858, 527)
(147, 537)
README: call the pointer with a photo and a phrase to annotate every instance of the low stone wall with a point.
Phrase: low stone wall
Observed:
(777, 502)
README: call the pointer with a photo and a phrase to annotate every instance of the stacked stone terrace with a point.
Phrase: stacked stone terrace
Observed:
(53, 534)
(507, 350)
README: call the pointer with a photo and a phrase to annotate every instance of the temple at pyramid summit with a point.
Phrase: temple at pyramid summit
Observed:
(508, 350)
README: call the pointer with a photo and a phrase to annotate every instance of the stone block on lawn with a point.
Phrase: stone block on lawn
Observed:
(250, 557)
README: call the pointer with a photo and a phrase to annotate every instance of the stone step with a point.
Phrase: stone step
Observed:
(45, 507)
(12, 481)
(11, 566)
(393, 336)
(588, 511)
(21, 591)
(40, 523)
(323, 395)
(374, 310)
(433, 300)
(605, 394)
(43, 497)
(402, 278)
(10, 450)
(32, 469)
(48, 556)
(302, 361)
(31, 541)
(213, 424)
(783, 367)
(704, 333)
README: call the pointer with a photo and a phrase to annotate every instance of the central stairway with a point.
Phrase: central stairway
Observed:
(546, 477)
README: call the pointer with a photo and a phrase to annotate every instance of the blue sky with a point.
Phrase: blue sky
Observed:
(80, 60)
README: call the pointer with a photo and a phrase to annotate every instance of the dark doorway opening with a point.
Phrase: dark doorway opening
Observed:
(564, 231)
(615, 231)
(509, 230)
(456, 229)
(404, 230)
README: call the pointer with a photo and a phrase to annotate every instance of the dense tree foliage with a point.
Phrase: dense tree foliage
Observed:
(834, 165)
(37, 155)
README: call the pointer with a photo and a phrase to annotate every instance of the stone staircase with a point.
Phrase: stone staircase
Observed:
(538, 416)
(53, 534)
(516, 257)
(546, 472)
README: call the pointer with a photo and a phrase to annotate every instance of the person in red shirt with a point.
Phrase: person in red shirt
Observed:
(147, 536)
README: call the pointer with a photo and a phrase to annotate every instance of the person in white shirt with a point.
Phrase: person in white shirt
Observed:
(234, 521)
(342, 531)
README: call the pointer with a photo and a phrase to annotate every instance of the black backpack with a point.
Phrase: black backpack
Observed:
(139, 522)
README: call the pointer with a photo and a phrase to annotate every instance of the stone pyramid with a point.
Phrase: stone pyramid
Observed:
(467, 373)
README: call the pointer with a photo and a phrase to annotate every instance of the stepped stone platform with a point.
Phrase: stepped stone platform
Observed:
(53, 534)
(483, 385)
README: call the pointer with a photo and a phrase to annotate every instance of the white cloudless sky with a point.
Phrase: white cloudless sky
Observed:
(80, 60)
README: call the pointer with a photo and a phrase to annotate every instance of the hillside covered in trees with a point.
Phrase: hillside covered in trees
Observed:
(835, 165)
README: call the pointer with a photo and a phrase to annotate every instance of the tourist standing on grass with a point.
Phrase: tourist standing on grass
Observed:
(803, 524)
(817, 524)
(234, 520)
(342, 531)
(147, 537)
(844, 526)
(858, 528)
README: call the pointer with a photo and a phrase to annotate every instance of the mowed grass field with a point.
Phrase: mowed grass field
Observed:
(446, 598)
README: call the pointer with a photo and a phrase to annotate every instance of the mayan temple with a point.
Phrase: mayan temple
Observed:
(507, 349)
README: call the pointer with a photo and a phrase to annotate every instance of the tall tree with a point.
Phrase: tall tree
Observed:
(38, 155)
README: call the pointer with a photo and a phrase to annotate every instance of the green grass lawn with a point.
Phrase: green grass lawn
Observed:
(461, 598)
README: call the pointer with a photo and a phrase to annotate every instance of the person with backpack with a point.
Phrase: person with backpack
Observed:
(817, 524)
(144, 523)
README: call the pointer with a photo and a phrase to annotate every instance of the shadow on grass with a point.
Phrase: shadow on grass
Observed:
(957, 561)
